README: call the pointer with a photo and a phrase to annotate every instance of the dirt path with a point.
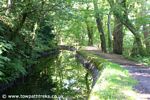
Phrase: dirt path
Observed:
(140, 72)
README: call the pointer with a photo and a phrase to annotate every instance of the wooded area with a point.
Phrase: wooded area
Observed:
(34, 35)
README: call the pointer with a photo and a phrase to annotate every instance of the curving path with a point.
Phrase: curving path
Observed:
(140, 72)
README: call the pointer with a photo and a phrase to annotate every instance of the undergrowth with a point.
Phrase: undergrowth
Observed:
(140, 59)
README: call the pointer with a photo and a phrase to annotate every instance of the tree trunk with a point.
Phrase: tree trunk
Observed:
(109, 32)
(138, 41)
(122, 16)
(118, 37)
(146, 32)
(19, 26)
(90, 34)
(102, 35)
(146, 27)
(100, 27)
(9, 6)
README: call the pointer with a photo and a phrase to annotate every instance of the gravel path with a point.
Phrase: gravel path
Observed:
(140, 72)
(142, 75)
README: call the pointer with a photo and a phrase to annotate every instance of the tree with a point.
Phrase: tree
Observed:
(90, 34)
(146, 32)
(100, 26)
(89, 26)
(109, 32)
(145, 24)
(19, 22)
(118, 37)
(120, 11)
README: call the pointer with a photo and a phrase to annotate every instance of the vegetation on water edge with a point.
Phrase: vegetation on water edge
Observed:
(29, 28)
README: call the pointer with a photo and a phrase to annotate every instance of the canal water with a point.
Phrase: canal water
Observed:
(58, 76)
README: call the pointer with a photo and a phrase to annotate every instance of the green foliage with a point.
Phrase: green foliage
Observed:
(31, 26)
(39, 80)
(5, 47)
(143, 20)
(22, 35)
(13, 69)
(128, 44)
(17, 66)
(145, 60)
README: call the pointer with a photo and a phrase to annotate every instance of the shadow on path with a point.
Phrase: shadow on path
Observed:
(140, 72)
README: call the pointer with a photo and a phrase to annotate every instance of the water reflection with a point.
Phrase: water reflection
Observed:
(72, 76)
(39, 81)
(56, 75)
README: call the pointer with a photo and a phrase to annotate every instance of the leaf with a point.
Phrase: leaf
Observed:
(4, 58)
(1, 73)
(18, 66)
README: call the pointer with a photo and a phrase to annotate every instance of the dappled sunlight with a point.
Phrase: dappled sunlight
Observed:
(141, 74)
(112, 80)
(143, 96)
(94, 97)
(77, 49)
(89, 48)
(130, 93)
(72, 80)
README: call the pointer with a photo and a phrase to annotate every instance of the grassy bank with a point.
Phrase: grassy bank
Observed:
(114, 82)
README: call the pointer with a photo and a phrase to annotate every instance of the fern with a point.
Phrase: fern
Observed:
(17, 66)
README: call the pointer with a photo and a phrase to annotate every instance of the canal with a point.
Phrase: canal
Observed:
(57, 75)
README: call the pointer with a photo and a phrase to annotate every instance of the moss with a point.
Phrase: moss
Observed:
(114, 83)
(94, 59)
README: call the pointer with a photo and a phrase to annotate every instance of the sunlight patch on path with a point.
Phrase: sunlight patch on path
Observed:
(143, 97)
(89, 48)
(137, 70)
(142, 75)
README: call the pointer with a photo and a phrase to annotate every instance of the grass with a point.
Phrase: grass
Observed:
(114, 83)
